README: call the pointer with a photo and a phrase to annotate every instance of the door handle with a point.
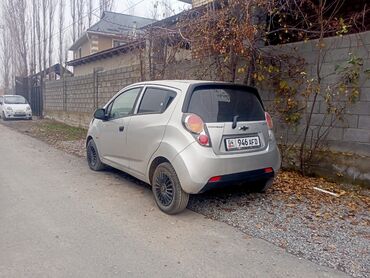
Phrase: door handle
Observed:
(121, 128)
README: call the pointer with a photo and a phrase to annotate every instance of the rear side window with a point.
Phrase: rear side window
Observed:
(223, 104)
(156, 100)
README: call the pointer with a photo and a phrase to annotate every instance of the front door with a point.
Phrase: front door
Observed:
(113, 131)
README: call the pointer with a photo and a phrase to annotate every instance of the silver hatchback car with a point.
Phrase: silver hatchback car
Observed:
(185, 137)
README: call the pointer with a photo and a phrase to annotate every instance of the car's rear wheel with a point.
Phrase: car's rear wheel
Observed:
(167, 191)
(93, 158)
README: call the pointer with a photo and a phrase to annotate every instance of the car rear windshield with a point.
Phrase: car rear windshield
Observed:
(15, 100)
(223, 104)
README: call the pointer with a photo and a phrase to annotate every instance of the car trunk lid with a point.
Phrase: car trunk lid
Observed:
(234, 118)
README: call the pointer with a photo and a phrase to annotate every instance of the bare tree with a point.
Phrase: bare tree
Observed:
(38, 33)
(154, 13)
(5, 53)
(74, 20)
(167, 9)
(52, 5)
(61, 35)
(45, 4)
(90, 12)
(80, 17)
(33, 56)
(105, 5)
(16, 19)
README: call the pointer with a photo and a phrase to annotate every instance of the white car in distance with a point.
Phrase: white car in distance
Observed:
(14, 107)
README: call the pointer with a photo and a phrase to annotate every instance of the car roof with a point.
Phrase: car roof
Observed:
(177, 83)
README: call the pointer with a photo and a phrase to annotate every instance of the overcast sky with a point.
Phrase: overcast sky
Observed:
(145, 7)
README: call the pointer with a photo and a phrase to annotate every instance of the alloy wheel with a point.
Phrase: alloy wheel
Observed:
(164, 189)
(92, 156)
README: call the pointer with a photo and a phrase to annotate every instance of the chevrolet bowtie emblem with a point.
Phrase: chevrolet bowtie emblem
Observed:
(244, 128)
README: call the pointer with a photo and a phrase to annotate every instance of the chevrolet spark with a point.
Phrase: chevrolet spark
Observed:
(185, 137)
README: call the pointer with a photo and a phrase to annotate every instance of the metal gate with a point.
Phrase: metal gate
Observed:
(30, 88)
(36, 101)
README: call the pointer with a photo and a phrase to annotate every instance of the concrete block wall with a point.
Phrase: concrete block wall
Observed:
(74, 99)
(111, 82)
(79, 94)
(352, 134)
(54, 96)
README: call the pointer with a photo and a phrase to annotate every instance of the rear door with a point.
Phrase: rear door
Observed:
(148, 125)
(234, 117)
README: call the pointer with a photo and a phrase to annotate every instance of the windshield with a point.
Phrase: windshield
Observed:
(223, 104)
(15, 100)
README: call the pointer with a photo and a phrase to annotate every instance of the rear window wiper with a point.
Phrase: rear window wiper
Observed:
(235, 121)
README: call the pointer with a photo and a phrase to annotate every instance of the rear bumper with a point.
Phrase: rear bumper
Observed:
(249, 176)
(196, 165)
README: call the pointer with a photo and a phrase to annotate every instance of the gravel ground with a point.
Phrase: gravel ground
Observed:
(339, 240)
(331, 231)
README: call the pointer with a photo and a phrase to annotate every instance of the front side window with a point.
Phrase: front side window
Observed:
(123, 104)
(156, 100)
(15, 100)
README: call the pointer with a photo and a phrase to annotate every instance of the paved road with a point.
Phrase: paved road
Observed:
(59, 219)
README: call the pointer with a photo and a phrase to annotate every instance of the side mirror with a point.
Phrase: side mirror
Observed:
(100, 114)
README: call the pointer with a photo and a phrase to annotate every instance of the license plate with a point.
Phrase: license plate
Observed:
(242, 143)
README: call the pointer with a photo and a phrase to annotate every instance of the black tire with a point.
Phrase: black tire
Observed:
(93, 158)
(167, 191)
(262, 186)
(3, 117)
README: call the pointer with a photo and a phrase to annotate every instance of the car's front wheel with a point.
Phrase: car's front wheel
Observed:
(167, 191)
(93, 158)
(4, 117)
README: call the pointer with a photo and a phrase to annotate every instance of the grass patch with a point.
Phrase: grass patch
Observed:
(62, 131)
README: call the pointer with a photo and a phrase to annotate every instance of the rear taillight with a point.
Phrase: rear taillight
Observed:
(195, 125)
(269, 120)
(215, 179)
(268, 170)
